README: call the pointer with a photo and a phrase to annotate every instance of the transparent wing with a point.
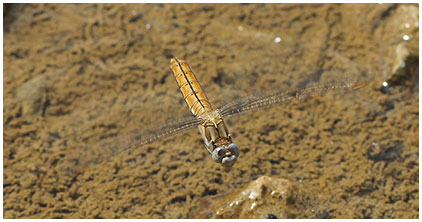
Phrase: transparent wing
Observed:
(93, 156)
(257, 102)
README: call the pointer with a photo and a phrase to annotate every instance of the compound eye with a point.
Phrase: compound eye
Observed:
(218, 154)
(234, 149)
(229, 161)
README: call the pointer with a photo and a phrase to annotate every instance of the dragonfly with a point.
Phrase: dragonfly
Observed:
(212, 127)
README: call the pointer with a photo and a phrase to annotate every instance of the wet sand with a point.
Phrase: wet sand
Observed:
(83, 79)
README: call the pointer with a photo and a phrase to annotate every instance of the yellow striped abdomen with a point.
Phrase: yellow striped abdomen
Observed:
(190, 88)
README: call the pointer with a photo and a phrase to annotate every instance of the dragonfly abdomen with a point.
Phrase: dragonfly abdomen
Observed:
(190, 88)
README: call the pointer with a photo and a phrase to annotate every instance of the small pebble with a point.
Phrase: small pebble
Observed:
(271, 216)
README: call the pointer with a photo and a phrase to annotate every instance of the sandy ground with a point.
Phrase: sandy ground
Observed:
(81, 80)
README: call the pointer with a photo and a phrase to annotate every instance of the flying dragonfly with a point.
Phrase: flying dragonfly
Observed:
(215, 134)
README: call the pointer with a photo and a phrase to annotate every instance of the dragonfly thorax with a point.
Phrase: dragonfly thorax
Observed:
(217, 138)
(214, 131)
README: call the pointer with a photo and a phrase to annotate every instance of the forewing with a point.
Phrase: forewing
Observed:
(105, 151)
(257, 102)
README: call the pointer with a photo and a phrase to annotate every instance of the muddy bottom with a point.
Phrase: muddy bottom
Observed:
(84, 81)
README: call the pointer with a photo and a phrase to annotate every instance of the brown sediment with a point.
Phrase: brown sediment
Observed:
(98, 78)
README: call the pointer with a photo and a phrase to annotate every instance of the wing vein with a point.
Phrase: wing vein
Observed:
(108, 151)
(257, 102)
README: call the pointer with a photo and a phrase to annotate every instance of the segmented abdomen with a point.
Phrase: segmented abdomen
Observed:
(190, 88)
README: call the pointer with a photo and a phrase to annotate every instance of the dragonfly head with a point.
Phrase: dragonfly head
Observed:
(226, 155)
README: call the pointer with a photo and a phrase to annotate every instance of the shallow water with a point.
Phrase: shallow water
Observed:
(78, 78)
